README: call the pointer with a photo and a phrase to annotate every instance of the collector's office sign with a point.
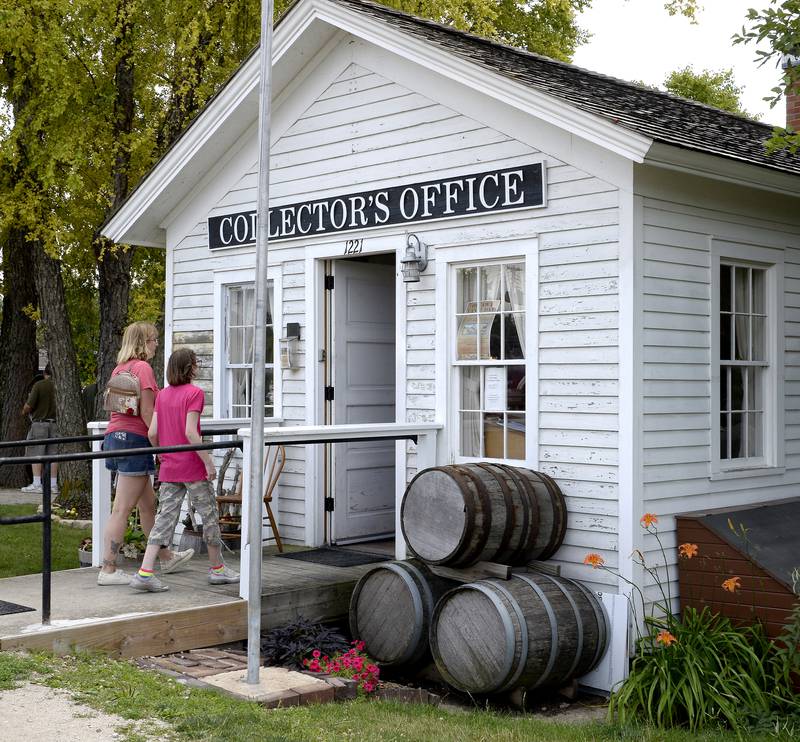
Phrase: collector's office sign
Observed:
(495, 190)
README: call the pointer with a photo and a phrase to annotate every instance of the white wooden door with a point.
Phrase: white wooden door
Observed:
(364, 392)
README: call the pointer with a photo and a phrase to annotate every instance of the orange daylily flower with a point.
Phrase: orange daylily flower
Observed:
(665, 638)
(648, 519)
(732, 584)
(594, 559)
(687, 550)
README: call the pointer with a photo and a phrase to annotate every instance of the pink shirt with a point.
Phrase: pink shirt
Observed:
(147, 380)
(172, 407)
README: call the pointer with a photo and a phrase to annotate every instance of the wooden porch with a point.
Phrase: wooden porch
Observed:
(190, 615)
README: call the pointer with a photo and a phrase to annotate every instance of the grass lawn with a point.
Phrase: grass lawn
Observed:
(194, 714)
(21, 545)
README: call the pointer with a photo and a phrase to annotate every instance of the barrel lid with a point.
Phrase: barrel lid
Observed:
(473, 639)
(433, 516)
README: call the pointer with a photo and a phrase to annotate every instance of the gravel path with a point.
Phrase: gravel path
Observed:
(34, 713)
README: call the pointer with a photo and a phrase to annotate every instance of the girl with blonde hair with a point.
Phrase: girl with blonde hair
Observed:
(134, 484)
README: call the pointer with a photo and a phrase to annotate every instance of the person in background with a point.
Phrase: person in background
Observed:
(176, 422)
(41, 407)
(134, 485)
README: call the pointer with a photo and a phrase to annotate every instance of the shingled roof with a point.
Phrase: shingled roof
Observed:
(663, 117)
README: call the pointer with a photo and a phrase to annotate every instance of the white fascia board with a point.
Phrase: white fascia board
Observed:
(546, 107)
(721, 168)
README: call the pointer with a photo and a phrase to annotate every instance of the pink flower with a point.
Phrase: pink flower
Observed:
(359, 645)
(369, 687)
(316, 653)
(373, 669)
(314, 666)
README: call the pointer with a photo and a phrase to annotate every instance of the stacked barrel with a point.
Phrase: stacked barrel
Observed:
(492, 635)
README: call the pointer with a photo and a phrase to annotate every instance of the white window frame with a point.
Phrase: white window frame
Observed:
(223, 280)
(771, 261)
(522, 249)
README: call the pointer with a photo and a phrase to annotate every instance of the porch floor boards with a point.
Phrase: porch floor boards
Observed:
(192, 614)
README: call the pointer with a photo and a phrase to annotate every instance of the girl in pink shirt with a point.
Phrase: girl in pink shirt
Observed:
(175, 422)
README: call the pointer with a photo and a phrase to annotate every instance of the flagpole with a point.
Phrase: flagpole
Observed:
(256, 468)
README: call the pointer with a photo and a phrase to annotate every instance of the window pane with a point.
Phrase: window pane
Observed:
(470, 427)
(724, 381)
(270, 302)
(240, 392)
(724, 451)
(725, 288)
(489, 283)
(741, 342)
(494, 436)
(755, 434)
(741, 290)
(514, 277)
(759, 334)
(270, 347)
(759, 291)
(269, 392)
(514, 336)
(467, 289)
(470, 388)
(467, 338)
(737, 388)
(248, 344)
(516, 388)
(755, 400)
(235, 307)
(737, 435)
(725, 321)
(249, 306)
(490, 344)
(515, 437)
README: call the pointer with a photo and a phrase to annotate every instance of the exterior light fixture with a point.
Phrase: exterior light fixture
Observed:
(415, 260)
(288, 344)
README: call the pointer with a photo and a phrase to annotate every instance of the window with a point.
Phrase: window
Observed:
(239, 302)
(489, 357)
(743, 360)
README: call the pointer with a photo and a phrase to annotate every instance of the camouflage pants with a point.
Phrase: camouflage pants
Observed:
(170, 499)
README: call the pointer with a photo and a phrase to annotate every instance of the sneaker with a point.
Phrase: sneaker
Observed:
(149, 585)
(226, 577)
(33, 488)
(179, 558)
(113, 578)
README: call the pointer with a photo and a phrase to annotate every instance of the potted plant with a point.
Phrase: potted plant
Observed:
(85, 553)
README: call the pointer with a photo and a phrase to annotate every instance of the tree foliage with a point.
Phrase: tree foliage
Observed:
(713, 88)
(777, 25)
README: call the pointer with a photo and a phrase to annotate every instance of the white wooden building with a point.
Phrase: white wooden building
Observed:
(612, 294)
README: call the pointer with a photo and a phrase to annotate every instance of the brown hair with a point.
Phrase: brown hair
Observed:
(134, 341)
(180, 367)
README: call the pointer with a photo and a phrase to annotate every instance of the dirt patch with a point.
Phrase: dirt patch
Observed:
(39, 714)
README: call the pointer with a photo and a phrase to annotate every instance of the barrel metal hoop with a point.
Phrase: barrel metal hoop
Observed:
(483, 496)
(556, 501)
(551, 661)
(418, 608)
(578, 621)
(530, 514)
(603, 623)
(524, 643)
(511, 515)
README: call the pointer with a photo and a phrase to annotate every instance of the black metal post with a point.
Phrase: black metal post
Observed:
(47, 531)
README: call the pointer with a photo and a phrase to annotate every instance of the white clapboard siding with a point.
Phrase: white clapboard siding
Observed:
(367, 130)
(677, 406)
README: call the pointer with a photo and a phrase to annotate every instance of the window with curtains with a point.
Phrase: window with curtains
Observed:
(743, 361)
(489, 359)
(239, 346)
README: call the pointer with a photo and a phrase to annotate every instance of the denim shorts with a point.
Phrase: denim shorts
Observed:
(130, 466)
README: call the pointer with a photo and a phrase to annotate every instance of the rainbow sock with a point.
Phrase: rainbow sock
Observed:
(145, 574)
(218, 570)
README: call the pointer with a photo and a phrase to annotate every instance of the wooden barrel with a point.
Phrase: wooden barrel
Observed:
(461, 514)
(532, 630)
(391, 609)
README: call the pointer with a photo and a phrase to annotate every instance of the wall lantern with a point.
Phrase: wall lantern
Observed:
(289, 344)
(415, 260)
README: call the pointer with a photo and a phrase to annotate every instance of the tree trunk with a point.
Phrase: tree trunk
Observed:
(19, 358)
(75, 476)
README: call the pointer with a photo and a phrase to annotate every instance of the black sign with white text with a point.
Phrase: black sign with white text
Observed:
(495, 190)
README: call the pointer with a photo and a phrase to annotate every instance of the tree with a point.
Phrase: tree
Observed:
(714, 88)
(779, 26)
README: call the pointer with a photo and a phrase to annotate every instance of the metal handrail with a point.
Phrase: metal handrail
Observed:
(45, 516)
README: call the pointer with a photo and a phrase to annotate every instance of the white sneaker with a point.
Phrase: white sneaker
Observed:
(150, 585)
(113, 578)
(179, 558)
(226, 577)
(32, 488)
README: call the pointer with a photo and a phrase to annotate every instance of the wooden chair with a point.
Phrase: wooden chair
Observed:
(273, 466)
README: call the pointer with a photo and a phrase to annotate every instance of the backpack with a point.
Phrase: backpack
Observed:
(122, 394)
